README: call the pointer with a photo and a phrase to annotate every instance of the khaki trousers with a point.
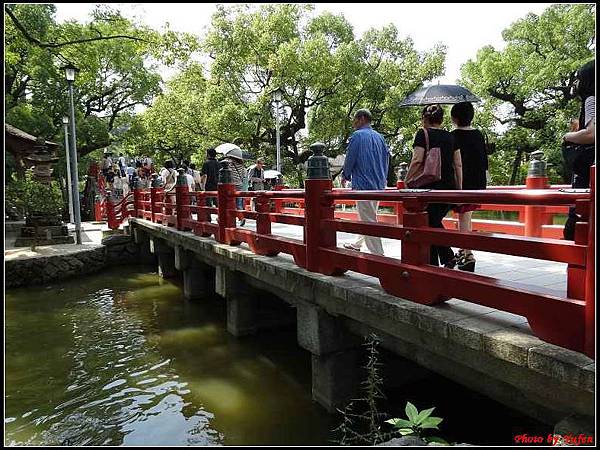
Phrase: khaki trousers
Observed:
(367, 211)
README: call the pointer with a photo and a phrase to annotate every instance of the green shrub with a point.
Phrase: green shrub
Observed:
(31, 197)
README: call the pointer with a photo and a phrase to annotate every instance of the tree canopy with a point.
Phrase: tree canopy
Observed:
(324, 71)
(118, 61)
(528, 85)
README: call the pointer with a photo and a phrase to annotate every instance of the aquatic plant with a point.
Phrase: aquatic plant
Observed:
(417, 423)
(364, 427)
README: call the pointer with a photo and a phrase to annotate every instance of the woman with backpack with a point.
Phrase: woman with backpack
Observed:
(432, 138)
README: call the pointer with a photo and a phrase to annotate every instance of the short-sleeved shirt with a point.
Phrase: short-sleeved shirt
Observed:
(210, 168)
(471, 144)
(444, 140)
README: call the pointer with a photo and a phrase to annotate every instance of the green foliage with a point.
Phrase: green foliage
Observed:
(118, 61)
(324, 70)
(30, 196)
(417, 422)
(527, 86)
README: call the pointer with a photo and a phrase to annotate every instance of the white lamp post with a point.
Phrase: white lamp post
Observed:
(277, 95)
(70, 72)
(65, 121)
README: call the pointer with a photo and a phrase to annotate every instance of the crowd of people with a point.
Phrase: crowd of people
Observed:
(122, 173)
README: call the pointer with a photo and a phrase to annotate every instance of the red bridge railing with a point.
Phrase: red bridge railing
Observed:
(567, 321)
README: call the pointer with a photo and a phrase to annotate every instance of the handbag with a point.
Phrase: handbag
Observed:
(490, 147)
(432, 166)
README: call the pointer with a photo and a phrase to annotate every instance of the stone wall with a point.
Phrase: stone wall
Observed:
(34, 270)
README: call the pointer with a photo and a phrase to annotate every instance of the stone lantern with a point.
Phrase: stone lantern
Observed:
(42, 160)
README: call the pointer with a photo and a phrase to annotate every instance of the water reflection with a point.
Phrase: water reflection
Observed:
(119, 358)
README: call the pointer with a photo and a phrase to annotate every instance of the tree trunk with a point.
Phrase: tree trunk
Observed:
(516, 167)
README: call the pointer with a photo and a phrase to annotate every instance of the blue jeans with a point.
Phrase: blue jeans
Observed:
(239, 201)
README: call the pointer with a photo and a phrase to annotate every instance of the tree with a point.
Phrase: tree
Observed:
(324, 71)
(528, 86)
(119, 70)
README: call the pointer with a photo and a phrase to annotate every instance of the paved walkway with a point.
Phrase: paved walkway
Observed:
(91, 235)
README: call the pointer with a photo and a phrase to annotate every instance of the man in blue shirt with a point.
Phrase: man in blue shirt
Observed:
(366, 167)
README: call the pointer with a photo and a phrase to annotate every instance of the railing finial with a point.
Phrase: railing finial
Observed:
(225, 174)
(402, 171)
(537, 165)
(181, 178)
(317, 164)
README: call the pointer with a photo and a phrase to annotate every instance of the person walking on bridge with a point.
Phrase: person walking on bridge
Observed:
(366, 167)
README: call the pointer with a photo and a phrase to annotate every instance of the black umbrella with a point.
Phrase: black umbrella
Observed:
(447, 94)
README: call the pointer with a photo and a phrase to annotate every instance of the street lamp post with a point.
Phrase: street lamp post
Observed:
(65, 121)
(70, 71)
(277, 97)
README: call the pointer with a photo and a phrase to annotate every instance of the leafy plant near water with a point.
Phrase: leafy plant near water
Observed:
(361, 418)
(418, 423)
(30, 196)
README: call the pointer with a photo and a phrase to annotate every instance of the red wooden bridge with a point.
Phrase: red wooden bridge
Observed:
(562, 318)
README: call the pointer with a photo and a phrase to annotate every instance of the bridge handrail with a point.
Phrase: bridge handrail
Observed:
(563, 320)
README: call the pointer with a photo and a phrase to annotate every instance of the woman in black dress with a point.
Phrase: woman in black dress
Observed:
(471, 144)
(432, 117)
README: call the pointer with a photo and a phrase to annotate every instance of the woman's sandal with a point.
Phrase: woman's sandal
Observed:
(467, 263)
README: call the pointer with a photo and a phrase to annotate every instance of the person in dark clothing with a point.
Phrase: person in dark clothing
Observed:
(471, 144)
(210, 176)
(581, 144)
(451, 171)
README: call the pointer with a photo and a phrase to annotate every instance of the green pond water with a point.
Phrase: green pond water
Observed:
(119, 358)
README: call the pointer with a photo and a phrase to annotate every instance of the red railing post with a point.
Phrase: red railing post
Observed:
(110, 212)
(263, 227)
(536, 179)
(316, 209)
(153, 201)
(590, 273)
(226, 200)
(400, 184)
(415, 216)
(182, 200)
(137, 197)
(576, 274)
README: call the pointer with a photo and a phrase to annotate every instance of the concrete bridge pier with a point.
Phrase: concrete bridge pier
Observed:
(336, 365)
(242, 302)
(166, 257)
(196, 275)
(142, 240)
